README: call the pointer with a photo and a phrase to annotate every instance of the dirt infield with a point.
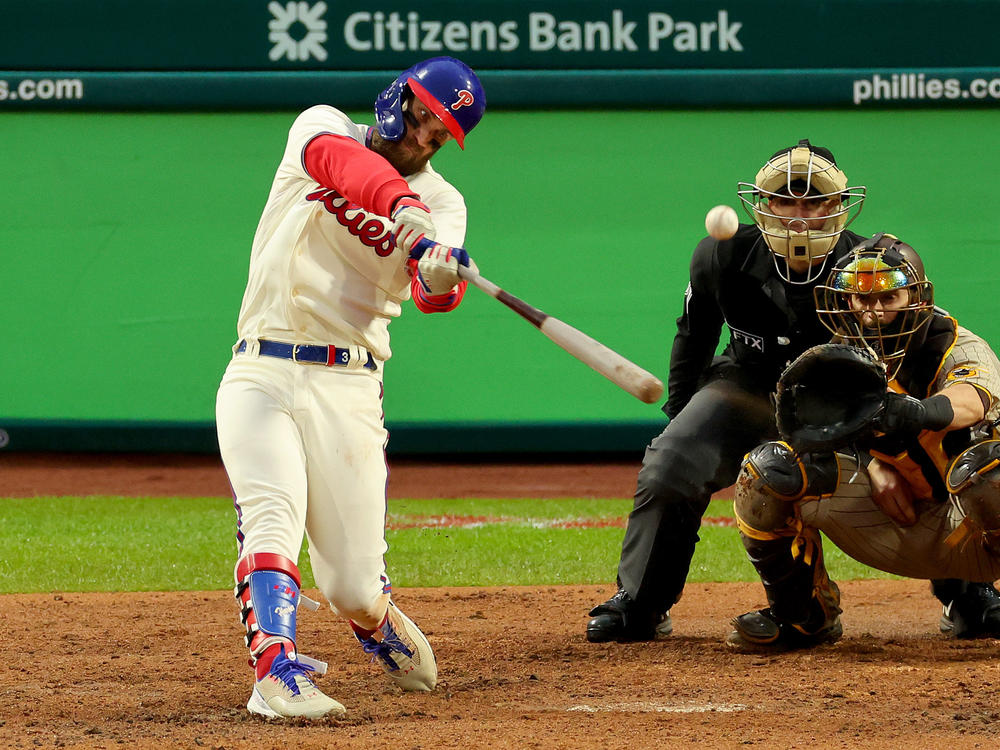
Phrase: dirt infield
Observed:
(168, 669)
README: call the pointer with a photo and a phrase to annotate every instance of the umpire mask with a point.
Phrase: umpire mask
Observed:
(878, 298)
(801, 171)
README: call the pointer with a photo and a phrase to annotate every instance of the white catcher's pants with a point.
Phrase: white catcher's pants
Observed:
(304, 448)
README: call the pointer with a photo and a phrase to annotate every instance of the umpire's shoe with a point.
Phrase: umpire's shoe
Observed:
(404, 651)
(287, 691)
(973, 613)
(762, 631)
(620, 619)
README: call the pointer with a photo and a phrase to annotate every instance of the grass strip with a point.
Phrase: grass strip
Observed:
(189, 544)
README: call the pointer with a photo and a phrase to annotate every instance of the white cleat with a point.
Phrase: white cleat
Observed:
(405, 654)
(287, 692)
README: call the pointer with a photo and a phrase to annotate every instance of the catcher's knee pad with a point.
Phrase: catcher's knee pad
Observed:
(267, 590)
(974, 478)
(773, 476)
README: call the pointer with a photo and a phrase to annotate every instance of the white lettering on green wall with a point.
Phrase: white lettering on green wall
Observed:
(687, 36)
(545, 32)
(364, 32)
(376, 31)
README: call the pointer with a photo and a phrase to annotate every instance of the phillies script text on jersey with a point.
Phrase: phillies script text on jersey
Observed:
(371, 231)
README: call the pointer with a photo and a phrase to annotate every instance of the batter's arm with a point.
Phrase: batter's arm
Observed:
(698, 330)
(450, 216)
(341, 163)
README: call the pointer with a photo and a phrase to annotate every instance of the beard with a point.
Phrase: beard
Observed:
(405, 157)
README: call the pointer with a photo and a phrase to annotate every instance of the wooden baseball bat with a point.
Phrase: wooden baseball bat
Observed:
(625, 374)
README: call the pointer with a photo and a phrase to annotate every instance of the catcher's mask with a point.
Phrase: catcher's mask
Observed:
(878, 266)
(801, 171)
(447, 87)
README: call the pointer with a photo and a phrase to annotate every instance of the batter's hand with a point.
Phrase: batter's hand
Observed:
(438, 268)
(892, 493)
(411, 221)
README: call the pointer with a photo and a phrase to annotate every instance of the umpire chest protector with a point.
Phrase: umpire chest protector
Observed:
(770, 322)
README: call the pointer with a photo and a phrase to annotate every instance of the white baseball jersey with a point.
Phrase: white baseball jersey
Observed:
(324, 270)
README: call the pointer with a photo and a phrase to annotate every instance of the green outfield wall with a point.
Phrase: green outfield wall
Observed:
(125, 241)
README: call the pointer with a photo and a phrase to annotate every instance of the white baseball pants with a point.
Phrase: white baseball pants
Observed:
(304, 448)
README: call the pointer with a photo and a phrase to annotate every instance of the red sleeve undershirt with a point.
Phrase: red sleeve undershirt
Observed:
(357, 173)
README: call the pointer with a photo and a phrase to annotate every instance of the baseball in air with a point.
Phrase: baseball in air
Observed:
(722, 222)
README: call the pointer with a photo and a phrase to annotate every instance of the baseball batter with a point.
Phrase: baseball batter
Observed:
(299, 409)
(921, 498)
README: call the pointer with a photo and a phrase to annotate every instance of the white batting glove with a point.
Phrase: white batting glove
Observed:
(438, 268)
(411, 220)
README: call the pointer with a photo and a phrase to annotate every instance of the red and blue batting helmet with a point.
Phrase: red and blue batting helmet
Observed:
(446, 86)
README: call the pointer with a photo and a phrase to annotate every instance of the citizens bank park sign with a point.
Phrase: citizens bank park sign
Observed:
(253, 53)
(378, 31)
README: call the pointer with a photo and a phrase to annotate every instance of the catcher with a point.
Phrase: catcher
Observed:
(890, 448)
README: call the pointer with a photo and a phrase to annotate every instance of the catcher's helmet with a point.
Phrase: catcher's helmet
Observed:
(878, 265)
(801, 171)
(446, 86)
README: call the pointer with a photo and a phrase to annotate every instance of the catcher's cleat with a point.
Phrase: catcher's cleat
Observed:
(760, 631)
(287, 691)
(619, 619)
(974, 613)
(404, 651)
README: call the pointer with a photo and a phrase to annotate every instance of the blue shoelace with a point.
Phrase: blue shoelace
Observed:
(383, 649)
(286, 670)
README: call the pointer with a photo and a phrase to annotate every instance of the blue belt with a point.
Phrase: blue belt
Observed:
(308, 354)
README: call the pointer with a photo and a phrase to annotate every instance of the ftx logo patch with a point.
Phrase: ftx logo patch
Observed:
(748, 339)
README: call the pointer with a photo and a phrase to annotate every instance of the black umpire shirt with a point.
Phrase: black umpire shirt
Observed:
(770, 321)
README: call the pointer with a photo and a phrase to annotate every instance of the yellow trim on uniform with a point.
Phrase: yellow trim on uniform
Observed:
(806, 543)
(910, 469)
(896, 387)
(961, 534)
(750, 531)
(979, 472)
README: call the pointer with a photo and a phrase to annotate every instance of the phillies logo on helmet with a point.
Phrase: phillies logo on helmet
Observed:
(465, 99)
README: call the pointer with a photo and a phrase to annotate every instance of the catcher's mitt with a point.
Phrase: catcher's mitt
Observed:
(829, 397)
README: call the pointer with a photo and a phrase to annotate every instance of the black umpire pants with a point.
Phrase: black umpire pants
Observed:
(698, 453)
